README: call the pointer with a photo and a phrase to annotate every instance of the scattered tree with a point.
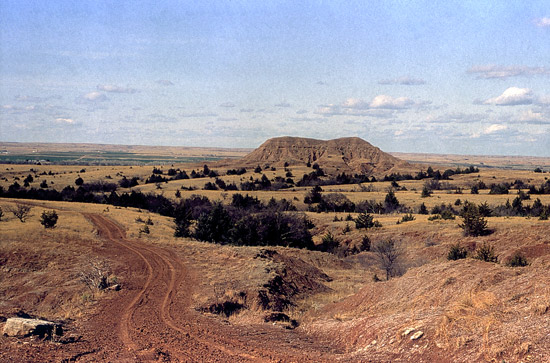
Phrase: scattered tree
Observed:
(423, 209)
(79, 181)
(474, 223)
(388, 256)
(21, 211)
(390, 202)
(426, 192)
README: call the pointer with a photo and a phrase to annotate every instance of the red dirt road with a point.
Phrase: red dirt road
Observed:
(151, 319)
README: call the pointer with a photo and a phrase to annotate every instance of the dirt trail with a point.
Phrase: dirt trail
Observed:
(152, 319)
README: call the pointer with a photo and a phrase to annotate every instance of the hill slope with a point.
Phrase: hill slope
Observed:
(347, 154)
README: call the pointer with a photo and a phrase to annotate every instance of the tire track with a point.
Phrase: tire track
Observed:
(114, 233)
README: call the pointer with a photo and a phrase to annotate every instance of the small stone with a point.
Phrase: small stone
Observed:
(407, 332)
(115, 287)
(417, 335)
(373, 342)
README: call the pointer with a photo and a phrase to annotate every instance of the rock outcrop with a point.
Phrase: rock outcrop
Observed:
(350, 154)
(22, 327)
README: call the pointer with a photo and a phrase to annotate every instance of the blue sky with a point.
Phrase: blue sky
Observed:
(463, 77)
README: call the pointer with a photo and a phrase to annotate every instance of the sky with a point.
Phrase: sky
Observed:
(457, 77)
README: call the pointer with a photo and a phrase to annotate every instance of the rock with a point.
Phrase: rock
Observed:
(407, 332)
(417, 335)
(22, 327)
(115, 287)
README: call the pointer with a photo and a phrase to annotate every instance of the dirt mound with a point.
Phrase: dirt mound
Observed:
(287, 278)
(348, 154)
(464, 310)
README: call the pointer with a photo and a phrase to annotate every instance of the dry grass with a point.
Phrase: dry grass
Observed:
(41, 267)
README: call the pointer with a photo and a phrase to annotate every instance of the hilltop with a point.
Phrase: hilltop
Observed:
(350, 154)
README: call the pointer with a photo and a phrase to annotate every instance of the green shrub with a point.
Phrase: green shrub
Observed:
(517, 260)
(49, 219)
(426, 192)
(457, 252)
(447, 215)
(365, 244)
(365, 220)
(145, 229)
(486, 253)
(329, 243)
(406, 218)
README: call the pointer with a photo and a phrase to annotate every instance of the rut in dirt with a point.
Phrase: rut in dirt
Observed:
(155, 320)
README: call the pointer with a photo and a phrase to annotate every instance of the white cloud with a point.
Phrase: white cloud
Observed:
(246, 110)
(494, 128)
(405, 81)
(492, 71)
(115, 89)
(95, 97)
(535, 117)
(388, 102)
(62, 120)
(227, 104)
(355, 103)
(543, 22)
(513, 96)
(301, 112)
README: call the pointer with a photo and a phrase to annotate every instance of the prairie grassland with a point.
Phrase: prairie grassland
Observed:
(472, 310)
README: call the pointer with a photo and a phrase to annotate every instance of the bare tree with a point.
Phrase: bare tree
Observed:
(21, 211)
(388, 256)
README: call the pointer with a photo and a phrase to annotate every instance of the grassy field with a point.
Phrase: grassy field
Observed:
(92, 154)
